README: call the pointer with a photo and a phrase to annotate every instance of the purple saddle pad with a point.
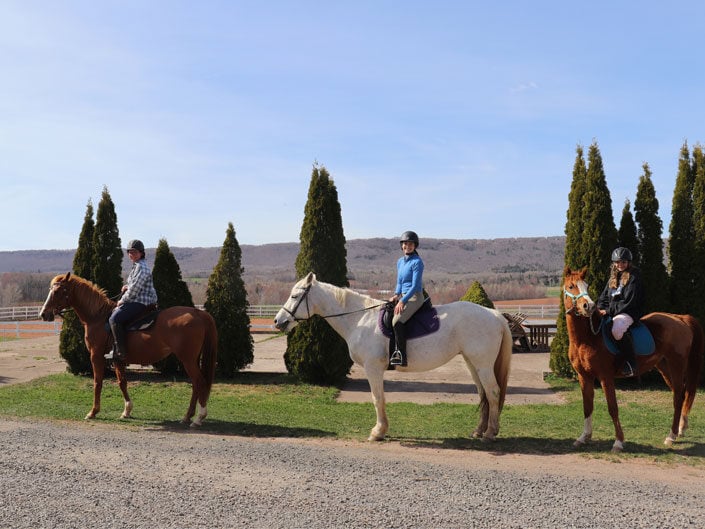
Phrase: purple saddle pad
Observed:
(424, 321)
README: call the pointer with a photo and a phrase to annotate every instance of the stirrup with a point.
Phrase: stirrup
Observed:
(112, 355)
(627, 369)
(395, 358)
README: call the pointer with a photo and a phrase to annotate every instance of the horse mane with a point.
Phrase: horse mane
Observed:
(343, 294)
(93, 297)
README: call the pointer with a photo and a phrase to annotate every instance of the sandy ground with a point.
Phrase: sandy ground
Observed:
(25, 359)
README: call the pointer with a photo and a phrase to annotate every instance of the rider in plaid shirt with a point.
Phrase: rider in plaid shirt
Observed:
(137, 294)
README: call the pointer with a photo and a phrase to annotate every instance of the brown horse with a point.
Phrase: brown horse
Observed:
(187, 332)
(678, 357)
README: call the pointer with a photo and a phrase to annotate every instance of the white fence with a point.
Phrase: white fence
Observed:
(538, 312)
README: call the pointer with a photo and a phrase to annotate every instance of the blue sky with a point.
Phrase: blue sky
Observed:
(454, 119)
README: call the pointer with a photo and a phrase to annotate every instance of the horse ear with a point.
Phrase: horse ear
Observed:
(66, 277)
(310, 278)
(566, 271)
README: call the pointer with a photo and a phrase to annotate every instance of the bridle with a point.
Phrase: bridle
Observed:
(59, 309)
(573, 309)
(304, 296)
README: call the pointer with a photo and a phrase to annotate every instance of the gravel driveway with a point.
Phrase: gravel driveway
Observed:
(57, 476)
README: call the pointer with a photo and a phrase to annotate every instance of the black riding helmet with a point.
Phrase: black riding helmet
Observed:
(136, 244)
(621, 254)
(409, 236)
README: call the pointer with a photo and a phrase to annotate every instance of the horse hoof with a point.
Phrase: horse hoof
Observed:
(617, 447)
(89, 416)
(375, 438)
(488, 438)
(195, 424)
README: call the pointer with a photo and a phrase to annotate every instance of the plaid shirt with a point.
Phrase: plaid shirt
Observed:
(140, 288)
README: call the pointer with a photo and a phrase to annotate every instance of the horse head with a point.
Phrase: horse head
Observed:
(286, 319)
(58, 298)
(575, 291)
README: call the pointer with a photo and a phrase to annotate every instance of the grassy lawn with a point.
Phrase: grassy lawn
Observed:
(275, 405)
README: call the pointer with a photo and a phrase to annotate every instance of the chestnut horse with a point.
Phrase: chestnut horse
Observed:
(678, 357)
(187, 332)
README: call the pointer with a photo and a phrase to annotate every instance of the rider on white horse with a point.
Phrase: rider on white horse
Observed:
(408, 294)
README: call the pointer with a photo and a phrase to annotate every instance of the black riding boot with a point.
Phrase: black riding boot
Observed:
(119, 351)
(398, 357)
(626, 359)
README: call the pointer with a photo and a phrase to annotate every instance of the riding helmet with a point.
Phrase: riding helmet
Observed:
(409, 236)
(621, 254)
(136, 244)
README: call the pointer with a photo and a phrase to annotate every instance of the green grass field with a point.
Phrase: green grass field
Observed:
(275, 405)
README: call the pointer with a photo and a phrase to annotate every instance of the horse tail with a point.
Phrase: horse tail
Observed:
(695, 361)
(209, 353)
(503, 361)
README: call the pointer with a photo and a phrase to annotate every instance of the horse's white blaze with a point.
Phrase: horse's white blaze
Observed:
(481, 335)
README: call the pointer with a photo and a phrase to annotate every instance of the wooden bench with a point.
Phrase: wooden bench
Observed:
(518, 331)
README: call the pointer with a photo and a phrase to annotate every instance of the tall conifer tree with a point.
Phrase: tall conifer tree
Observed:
(650, 237)
(476, 294)
(698, 272)
(72, 343)
(107, 251)
(172, 291)
(626, 235)
(574, 258)
(226, 301)
(681, 247)
(315, 352)
(599, 233)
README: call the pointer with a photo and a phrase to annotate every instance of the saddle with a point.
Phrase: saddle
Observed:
(142, 321)
(644, 344)
(423, 322)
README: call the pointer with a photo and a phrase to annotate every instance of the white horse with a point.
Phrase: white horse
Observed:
(481, 335)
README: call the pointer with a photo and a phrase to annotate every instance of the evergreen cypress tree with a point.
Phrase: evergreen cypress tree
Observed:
(681, 247)
(698, 271)
(476, 294)
(315, 352)
(172, 291)
(599, 233)
(626, 235)
(650, 239)
(574, 258)
(107, 251)
(226, 301)
(72, 343)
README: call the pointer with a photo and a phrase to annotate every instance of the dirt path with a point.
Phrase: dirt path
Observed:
(26, 359)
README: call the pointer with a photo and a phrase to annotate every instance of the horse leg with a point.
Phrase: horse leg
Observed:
(375, 377)
(121, 373)
(489, 403)
(198, 385)
(587, 388)
(680, 414)
(97, 390)
(611, 396)
(484, 408)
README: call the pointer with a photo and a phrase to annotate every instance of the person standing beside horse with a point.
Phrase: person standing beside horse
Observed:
(136, 296)
(623, 300)
(408, 294)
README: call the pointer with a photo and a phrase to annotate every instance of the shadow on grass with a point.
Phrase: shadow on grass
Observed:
(240, 429)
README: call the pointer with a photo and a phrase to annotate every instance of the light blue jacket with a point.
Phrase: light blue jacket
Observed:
(409, 276)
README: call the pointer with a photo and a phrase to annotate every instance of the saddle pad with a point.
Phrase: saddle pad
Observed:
(424, 321)
(644, 344)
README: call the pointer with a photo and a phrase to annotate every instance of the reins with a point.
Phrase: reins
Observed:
(304, 296)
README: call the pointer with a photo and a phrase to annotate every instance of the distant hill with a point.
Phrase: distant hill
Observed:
(441, 256)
